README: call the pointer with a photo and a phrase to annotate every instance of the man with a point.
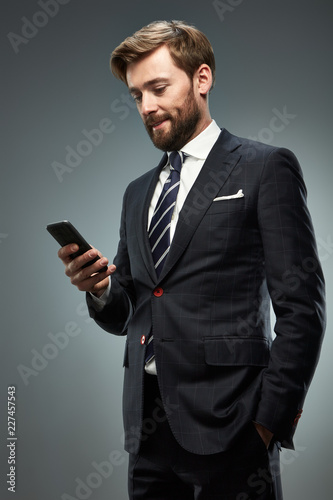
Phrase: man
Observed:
(208, 238)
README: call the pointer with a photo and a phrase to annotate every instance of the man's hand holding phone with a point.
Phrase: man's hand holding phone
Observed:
(90, 278)
(86, 267)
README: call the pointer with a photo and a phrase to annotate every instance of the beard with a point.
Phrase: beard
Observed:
(183, 123)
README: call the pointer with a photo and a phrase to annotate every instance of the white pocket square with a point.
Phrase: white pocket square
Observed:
(239, 194)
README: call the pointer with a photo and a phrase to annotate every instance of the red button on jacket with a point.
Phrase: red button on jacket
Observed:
(158, 292)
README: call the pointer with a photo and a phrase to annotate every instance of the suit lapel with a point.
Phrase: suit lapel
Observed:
(218, 166)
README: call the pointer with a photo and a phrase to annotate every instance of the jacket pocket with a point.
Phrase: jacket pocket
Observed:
(239, 194)
(236, 351)
(227, 206)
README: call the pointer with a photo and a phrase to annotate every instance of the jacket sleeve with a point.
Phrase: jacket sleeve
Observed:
(296, 286)
(117, 312)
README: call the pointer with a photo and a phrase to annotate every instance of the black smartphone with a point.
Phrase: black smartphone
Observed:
(65, 233)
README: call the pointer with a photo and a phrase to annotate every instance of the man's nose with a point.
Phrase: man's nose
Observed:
(148, 104)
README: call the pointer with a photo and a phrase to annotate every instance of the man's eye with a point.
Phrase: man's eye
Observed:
(137, 98)
(160, 90)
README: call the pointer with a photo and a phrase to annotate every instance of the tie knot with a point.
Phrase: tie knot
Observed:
(176, 160)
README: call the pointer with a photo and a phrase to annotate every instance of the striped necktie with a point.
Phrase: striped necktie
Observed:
(159, 229)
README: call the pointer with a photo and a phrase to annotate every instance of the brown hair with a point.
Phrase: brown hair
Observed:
(189, 47)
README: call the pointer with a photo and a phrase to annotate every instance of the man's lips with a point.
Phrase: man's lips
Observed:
(156, 124)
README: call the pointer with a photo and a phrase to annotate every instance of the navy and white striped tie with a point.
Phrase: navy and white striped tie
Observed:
(159, 229)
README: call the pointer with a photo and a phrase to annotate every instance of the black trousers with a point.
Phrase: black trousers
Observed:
(163, 470)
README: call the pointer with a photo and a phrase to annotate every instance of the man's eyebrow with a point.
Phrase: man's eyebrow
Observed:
(150, 83)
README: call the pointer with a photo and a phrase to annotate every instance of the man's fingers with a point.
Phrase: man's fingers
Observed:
(75, 265)
(94, 282)
(77, 274)
(89, 278)
(64, 253)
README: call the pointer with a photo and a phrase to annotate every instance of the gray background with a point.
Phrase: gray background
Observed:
(270, 55)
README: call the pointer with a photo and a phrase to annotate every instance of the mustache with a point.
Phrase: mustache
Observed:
(152, 120)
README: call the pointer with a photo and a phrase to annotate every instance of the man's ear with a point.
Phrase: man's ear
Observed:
(203, 79)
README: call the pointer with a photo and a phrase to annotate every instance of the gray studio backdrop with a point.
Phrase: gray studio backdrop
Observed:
(71, 142)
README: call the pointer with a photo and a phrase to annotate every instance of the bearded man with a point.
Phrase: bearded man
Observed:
(208, 240)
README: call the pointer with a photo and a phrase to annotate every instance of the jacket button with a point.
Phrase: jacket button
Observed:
(158, 292)
(143, 340)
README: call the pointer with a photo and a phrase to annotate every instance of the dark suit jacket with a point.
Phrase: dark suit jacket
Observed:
(218, 365)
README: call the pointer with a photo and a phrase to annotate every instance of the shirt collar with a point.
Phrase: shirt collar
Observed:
(200, 146)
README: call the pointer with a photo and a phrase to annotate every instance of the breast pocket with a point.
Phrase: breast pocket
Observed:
(227, 224)
(227, 206)
(222, 227)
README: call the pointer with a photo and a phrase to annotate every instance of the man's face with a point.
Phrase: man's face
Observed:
(165, 99)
